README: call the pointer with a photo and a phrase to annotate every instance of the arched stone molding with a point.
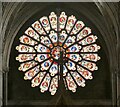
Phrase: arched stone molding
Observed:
(104, 17)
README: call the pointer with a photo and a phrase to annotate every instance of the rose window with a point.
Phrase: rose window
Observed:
(40, 51)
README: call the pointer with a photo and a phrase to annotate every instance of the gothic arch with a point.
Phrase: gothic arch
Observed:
(108, 27)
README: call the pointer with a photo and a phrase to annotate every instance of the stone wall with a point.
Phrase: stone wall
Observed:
(105, 17)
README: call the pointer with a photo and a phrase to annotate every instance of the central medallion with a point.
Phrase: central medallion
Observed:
(56, 52)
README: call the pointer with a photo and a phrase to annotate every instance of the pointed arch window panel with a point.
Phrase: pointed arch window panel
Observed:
(40, 47)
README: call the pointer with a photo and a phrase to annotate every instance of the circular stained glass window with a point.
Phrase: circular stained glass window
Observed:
(40, 51)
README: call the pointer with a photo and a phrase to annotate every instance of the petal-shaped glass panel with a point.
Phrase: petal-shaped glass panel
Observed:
(31, 73)
(54, 85)
(62, 20)
(37, 80)
(45, 23)
(30, 32)
(25, 57)
(24, 48)
(71, 83)
(70, 23)
(45, 84)
(53, 20)
(27, 40)
(37, 26)
(27, 65)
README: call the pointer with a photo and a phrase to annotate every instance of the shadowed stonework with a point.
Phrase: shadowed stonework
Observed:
(99, 17)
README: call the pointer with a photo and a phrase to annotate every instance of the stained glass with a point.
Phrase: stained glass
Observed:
(40, 48)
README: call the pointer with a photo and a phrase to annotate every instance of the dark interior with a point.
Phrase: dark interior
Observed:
(96, 89)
